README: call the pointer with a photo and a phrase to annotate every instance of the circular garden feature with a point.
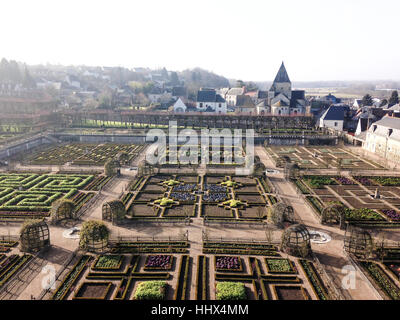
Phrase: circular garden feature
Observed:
(93, 236)
(112, 167)
(113, 210)
(334, 213)
(280, 213)
(34, 235)
(296, 241)
(62, 209)
(358, 242)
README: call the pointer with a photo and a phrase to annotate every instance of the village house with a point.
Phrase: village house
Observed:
(208, 100)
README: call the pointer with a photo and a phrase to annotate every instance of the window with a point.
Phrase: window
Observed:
(335, 124)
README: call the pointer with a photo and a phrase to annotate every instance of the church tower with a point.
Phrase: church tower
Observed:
(281, 84)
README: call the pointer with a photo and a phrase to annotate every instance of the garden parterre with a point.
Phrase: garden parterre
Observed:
(211, 196)
(357, 195)
(320, 157)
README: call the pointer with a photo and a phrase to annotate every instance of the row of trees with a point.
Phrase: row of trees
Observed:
(12, 72)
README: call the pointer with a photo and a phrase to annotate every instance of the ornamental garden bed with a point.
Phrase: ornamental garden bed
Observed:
(228, 263)
(158, 262)
(108, 262)
(393, 267)
(151, 290)
(230, 291)
(93, 291)
(314, 279)
(280, 265)
(290, 292)
(379, 276)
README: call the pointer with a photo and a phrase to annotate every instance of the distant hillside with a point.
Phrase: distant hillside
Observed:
(197, 78)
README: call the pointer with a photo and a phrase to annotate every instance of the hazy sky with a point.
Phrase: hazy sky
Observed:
(247, 39)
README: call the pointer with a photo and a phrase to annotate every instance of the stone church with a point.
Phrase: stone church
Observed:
(281, 99)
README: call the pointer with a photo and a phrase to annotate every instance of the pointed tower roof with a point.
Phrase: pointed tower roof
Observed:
(282, 75)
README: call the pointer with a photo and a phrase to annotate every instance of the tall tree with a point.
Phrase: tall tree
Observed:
(394, 98)
(367, 100)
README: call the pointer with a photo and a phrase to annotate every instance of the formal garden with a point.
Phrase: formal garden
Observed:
(210, 197)
(369, 201)
(319, 158)
(153, 276)
(184, 155)
(88, 154)
(31, 195)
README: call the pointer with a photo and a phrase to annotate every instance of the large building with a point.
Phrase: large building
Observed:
(282, 100)
(383, 138)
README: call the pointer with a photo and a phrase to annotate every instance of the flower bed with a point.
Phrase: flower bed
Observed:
(315, 203)
(314, 279)
(151, 290)
(280, 265)
(158, 262)
(228, 263)
(382, 279)
(362, 214)
(317, 182)
(108, 262)
(230, 291)
(391, 214)
(344, 181)
(71, 277)
(364, 181)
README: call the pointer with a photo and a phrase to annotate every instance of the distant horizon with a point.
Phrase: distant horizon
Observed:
(191, 68)
(350, 40)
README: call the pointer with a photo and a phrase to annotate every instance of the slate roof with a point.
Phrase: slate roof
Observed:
(206, 95)
(389, 122)
(334, 113)
(282, 75)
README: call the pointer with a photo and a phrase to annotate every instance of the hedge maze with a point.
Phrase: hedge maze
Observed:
(212, 197)
(31, 195)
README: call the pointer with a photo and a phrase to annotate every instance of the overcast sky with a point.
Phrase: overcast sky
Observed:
(246, 39)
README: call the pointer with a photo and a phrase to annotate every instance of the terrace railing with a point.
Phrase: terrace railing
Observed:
(238, 240)
(116, 240)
